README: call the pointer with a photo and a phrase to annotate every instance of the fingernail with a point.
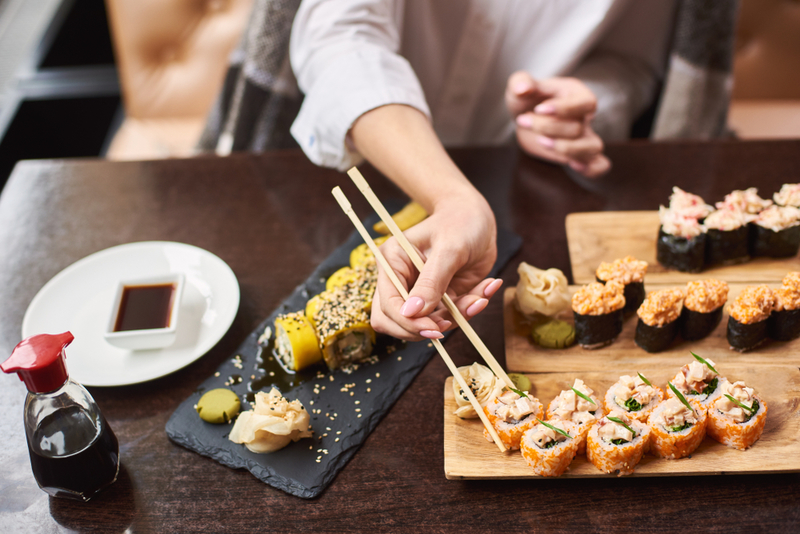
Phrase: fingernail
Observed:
(492, 288)
(431, 334)
(412, 307)
(444, 325)
(546, 141)
(545, 109)
(580, 167)
(524, 121)
(521, 87)
(477, 307)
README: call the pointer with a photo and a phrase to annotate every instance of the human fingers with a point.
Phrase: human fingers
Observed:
(551, 126)
(571, 99)
(522, 93)
(471, 303)
(414, 330)
(597, 166)
(581, 150)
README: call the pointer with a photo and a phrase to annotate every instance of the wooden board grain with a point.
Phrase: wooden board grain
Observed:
(468, 455)
(525, 356)
(595, 237)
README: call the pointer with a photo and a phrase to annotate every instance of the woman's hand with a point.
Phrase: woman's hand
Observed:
(553, 118)
(458, 244)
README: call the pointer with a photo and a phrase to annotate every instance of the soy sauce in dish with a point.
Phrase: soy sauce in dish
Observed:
(144, 307)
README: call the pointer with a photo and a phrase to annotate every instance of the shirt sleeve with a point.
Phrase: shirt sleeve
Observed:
(344, 54)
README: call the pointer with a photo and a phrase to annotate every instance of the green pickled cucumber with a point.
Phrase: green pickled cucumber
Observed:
(521, 382)
(553, 334)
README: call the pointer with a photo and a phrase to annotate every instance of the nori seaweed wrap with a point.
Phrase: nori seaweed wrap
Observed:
(747, 324)
(727, 237)
(598, 313)
(630, 273)
(702, 308)
(776, 233)
(744, 337)
(595, 331)
(784, 322)
(681, 253)
(658, 319)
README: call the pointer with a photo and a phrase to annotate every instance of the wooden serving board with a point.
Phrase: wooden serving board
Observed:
(595, 237)
(468, 455)
(522, 354)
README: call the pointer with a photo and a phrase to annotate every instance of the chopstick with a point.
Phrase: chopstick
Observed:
(376, 204)
(348, 210)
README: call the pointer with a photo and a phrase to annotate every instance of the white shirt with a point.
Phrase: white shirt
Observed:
(451, 60)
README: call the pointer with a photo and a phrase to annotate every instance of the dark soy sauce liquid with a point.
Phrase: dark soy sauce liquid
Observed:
(145, 307)
(71, 457)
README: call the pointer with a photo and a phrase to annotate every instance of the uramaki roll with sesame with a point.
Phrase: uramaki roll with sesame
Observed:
(572, 405)
(617, 446)
(747, 321)
(295, 341)
(677, 430)
(633, 395)
(737, 421)
(630, 273)
(598, 313)
(511, 414)
(550, 447)
(702, 308)
(658, 319)
(783, 323)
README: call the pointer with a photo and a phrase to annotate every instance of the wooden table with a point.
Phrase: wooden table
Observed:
(272, 219)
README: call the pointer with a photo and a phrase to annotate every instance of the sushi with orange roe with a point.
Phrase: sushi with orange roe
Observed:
(658, 319)
(617, 443)
(677, 427)
(598, 313)
(512, 413)
(702, 308)
(698, 380)
(784, 321)
(577, 405)
(630, 273)
(549, 447)
(737, 417)
(636, 396)
(747, 321)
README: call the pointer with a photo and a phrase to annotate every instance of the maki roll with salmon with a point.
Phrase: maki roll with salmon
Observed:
(598, 313)
(617, 443)
(630, 273)
(511, 414)
(296, 342)
(698, 381)
(747, 321)
(775, 232)
(727, 237)
(549, 447)
(702, 308)
(737, 417)
(636, 396)
(577, 405)
(658, 319)
(784, 321)
(677, 427)
(681, 243)
(789, 195)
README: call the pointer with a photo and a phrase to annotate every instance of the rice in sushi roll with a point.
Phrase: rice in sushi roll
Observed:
(617, 443)
(677, 426)
(789, 195)
(784, 321)
(572, 405)
(727, 236)
(747, 321)
(550, 447)
(511, 414)
(630, 273)
(702, 308)
(737, 418)
(681, 243)
(658, 319)
(636, 396)
(776, 232)
(296, 342)
(598, 313)
(698, 381)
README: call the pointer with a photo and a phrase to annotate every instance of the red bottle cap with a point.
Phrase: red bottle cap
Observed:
(39, 361)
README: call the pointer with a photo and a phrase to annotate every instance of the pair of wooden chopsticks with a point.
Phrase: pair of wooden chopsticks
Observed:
(376, 204)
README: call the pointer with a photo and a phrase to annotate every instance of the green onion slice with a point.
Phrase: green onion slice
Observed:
(680, 396)
(704, 362)
(750, 409)
(583, 396)
(555, 428)
(517, 391)
(646, 381)
(621, 422)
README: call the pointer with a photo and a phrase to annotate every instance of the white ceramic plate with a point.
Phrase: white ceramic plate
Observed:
(80, 298)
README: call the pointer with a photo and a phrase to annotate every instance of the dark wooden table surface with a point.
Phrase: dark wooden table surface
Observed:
(272, 219)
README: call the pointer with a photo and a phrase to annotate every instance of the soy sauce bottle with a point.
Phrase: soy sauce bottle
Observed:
(74, 453)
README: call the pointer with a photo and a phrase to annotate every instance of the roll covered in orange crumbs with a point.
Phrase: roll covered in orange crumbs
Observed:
(616, 443)
(634, 395)
(550, 447)
(737, 417)
(511, 414)
(677, 426)
(577, 405)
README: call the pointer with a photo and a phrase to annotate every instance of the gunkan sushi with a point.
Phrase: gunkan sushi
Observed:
(598, 313)
(744, 200)
(784, 321)
(727, 235)
(630, 273)
(658, 319)
(789, 195)
(681, 241)
(688, 204)
(776, 232)
(747, 321)
(702, 308)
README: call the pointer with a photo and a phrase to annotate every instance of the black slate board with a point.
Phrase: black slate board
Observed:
(306, 467)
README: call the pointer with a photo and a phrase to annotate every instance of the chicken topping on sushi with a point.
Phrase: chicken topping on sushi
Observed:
(514, 407)
(746, 201)
(661, 307)
(688, 204)
(612, 432)
(569, 406)
(599, 299)
(632, 393)
(675, 416)
(741, 393)
(705, 296)
(695, 377)
(753, 305)
(545, 437)
(727, 219)
(679, 225)
(777, 218)
(625, 270)
(789, 195)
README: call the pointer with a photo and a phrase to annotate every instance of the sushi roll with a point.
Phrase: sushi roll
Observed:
(677, 427)
(737, 418)
(698, 381)
(746, 201)
(577, 405)
(727, 237)
(688, 204)
(598, 313)
(776, 232)
(789, 195)
(784, 321)
(342, 324)
(636, 396)
(630, 273)
(361, 256)
(681, 243)
(550, 447)
(702, 308)
(747, 321)
(658, 319)
(617, 443)
(511, 414)
(296, 342)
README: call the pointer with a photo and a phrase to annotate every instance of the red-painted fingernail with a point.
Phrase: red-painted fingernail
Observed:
(545, 109)
(431, 334)
(412, 307)
(524, 121)
(492, 288)
(476, 307)
(546, 141)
